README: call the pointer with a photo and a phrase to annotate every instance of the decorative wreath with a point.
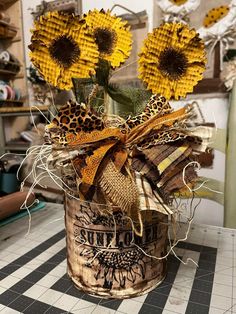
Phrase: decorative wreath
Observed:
(177, 9)
(219, 22)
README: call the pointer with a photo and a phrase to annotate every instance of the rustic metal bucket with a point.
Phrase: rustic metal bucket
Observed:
(103, 255)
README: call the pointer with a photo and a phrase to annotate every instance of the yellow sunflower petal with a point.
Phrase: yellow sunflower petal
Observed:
(63, 48)
(45, 65)
(50, 26)
(195, 51)
(166, 57)
(112, 36)
(215, 15)
(181, 35)
(186, 84)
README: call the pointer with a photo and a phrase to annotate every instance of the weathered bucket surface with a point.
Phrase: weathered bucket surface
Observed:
(102, 257)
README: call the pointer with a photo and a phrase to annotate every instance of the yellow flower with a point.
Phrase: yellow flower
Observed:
(111, 34)
(214, 15)
(178, 2)
(62, 48)
(172, 60)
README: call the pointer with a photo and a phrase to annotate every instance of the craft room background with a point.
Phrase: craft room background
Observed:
(117, 156)
(214, 104)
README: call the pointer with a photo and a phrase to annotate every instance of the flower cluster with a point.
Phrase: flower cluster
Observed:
(65, 46)
(132, 163)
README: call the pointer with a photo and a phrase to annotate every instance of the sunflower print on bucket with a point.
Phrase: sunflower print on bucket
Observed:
(172, 60)
(111, 34)
(63, 48)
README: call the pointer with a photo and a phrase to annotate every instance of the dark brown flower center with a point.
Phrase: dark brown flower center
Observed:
(105, 39)
(64, 50)
(172, 63)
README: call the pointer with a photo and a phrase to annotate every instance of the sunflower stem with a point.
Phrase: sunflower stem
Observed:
(106, 103)
(93, 94)
(75, 89)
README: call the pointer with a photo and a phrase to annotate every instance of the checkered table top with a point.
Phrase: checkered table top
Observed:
(33, 273)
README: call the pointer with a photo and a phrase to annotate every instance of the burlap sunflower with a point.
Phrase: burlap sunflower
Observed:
(62, 48)
(111, 34)
(172, 60)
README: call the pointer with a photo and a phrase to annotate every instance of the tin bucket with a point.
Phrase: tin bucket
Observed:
(105, 258)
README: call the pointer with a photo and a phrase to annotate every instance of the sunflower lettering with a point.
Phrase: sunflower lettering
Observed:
(105, 238)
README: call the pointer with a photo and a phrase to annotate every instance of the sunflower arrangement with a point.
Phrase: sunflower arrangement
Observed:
(66, 47)
(63, 47)
(130, 167)
(172, 60)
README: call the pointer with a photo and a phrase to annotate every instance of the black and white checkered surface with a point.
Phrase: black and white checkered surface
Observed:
(33, 273)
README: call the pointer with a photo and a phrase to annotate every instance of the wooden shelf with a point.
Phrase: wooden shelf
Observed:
(9, 25)
(7, 33)
(13, 117)
(22, 111)
(11, 40)
(17, 145)
(15, 39)
(4, 3)
(12, 103)
(7, 73)
(7, 30)
(210, 85)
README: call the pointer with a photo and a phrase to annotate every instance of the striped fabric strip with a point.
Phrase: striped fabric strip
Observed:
(171, 158)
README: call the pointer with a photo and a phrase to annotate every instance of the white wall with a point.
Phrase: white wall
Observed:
(28, 24)
(214, 109)
(133, 5)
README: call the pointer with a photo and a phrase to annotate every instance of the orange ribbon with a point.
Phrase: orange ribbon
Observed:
(113, 140)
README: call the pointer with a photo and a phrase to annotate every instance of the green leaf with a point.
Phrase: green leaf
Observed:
(230, 55)
(128, 100)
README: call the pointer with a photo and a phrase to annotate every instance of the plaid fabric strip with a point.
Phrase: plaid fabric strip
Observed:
(205, 133)
(146, 168)
(149, 199)
(158, 153)
(176, 166)
(176, 182)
